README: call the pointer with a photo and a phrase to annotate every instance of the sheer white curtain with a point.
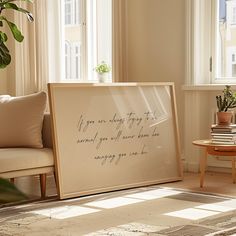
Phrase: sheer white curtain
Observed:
(37, 58)
(119, 29)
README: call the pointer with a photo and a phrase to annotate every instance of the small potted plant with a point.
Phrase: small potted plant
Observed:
(102, 70)
(224, 103)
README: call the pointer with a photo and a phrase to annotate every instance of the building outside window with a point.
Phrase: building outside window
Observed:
(67, 59)
(226, 40)
(68, 12)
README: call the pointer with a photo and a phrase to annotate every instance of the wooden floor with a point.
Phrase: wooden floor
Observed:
(174, 208)
(215, 183)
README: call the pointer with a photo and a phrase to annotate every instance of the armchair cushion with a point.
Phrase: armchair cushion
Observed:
(15, 159)
(21, 120)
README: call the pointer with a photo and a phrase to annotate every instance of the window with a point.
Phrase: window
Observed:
(233, 21)
(68, 12)
(211, 41)
(87, 37)
(72, 12)
(226, 41)
(67, 60)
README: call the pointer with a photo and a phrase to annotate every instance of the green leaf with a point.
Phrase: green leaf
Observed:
(15, 31)
(5, 57)
(10, 6)
(28, 14)
(9, 193)
(3, 2)
(3, 37)
(15, 7)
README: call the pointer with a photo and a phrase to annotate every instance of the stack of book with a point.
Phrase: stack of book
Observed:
(223, 134)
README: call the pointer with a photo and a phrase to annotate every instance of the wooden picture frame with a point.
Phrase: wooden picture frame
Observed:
(113, 136)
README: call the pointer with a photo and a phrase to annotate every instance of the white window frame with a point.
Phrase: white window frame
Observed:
(198, 42)
(201, 18)
(88, 26)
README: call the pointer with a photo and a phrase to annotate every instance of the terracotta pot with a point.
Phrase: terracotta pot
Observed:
(224, 118)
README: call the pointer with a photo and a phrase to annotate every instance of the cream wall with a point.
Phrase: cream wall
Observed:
(156, 45)
(3, 81)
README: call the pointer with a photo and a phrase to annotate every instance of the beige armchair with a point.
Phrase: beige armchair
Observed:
(17, 162)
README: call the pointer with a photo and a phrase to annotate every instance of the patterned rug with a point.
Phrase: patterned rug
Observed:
(144, 211)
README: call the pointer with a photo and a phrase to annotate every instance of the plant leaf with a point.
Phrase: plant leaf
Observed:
(3, 37)
(8, 1)
(5, 57)
(28, 14)
(15, 7)
(9, 193)
(15, 31)
(10, 6)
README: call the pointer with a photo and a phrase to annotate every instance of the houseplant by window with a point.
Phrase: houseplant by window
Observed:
(8, 192)
(102, 70)
(224, 103)
(5, 57)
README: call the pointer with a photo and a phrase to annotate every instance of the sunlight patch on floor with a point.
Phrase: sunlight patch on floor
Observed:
(113, 202)
(215, 207)
(154, 194)
(229, 203)
(65, 212)
(192, 213)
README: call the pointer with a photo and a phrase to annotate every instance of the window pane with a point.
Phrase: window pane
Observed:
(73, 35)
(68, 13)
(226, 40)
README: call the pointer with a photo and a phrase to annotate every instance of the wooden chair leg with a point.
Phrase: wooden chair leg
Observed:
(12, 180)
(43, 185)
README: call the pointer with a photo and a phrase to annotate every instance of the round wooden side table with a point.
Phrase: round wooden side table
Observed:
(216, 150)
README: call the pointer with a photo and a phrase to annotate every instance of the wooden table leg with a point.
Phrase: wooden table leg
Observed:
(203, 160)
(233, 170)
(43, 185)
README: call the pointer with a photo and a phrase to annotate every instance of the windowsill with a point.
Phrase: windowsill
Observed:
(206, 87)
(83, 81)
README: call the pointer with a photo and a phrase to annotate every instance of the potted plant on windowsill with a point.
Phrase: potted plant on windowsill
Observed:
(102, 70)
(224, 104)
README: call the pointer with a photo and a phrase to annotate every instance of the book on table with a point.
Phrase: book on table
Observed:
(223, 134)
(215, 128)
(223, 142)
